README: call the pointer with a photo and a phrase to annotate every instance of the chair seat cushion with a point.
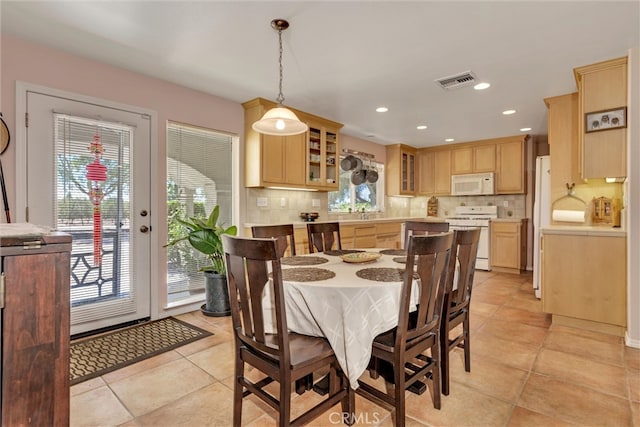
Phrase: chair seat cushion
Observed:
(304, 349)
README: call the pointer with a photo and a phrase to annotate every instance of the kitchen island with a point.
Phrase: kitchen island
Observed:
(583, 277)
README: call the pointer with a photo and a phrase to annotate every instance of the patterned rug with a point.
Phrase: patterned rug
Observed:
(95, 356)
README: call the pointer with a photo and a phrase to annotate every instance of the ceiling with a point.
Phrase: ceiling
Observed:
(343, 59)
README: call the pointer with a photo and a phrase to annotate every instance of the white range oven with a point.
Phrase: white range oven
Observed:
(476, 216)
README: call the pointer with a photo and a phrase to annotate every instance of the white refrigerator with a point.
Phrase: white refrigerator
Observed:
(541, 213)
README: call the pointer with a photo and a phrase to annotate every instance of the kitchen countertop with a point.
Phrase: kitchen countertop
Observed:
(585, 230)
(300, 224)
(508, 219)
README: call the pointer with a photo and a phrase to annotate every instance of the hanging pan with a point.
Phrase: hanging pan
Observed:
(348, 163)
(359, 176)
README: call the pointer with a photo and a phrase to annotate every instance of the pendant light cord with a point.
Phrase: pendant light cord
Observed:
(280, 97)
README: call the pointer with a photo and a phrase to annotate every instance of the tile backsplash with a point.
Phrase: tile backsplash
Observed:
(270, 206)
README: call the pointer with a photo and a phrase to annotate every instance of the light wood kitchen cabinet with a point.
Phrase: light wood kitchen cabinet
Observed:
(358, 236)
(286, 161)
(35, 329)
(283, 160)
(388, 235)
(563, 143)
(508, 246)
(473, 159)
(400, 170)
(601, 87)
(434, 171)
(510, 175)
(323, 156)
(584, 280)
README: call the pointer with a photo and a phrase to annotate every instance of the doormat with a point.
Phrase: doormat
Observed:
(92, 357)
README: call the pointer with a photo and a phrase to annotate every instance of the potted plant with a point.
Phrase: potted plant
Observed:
(205, 236)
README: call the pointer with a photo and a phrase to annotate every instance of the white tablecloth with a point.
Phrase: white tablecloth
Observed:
(349, 311)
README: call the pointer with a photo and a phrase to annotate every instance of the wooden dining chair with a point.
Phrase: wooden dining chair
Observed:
(422, 228)
(284, 233)
(283, 356)
(323, 235)
(464, 251)
(404, 347)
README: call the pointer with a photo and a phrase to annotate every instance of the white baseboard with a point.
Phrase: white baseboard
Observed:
(629, 342)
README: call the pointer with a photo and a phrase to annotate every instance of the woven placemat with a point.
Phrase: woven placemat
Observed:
(338, 252)
(400, 259)
(395, 252)
(303, 260)
(382, 274)
(307, 274)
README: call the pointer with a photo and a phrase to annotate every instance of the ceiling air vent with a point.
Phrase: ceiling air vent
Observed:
(457, 81)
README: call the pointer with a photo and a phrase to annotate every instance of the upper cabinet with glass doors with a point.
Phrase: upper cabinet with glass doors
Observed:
(400, 170)
(323, 155)
(304, 161)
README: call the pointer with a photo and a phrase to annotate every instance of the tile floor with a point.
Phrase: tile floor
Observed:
(524, 372)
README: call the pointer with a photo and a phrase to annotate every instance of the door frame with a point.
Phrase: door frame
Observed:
(21, 168)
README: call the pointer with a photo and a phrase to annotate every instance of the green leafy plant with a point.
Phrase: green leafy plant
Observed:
(205, 236)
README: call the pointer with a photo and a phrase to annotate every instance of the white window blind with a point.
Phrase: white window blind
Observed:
(100, 285)
(199, 177)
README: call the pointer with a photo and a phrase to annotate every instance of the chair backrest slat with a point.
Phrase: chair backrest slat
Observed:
(428, 256)
(423, 228)
(283, 233)
(323, 235)
(464, 252)
(253, 265)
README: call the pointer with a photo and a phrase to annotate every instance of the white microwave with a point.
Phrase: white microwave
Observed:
(472, 184)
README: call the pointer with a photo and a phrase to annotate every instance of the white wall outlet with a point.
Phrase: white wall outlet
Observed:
(262, 202)
(505, 203)
(315, 203)
(283, 202)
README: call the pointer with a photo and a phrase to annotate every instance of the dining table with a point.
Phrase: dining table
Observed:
(349, 302)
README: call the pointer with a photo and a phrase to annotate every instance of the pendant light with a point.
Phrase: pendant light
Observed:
(280, 120)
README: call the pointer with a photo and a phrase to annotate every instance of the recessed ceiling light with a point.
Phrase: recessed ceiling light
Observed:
(482, 86)
(449, 140)
(421, 127)
(382, 109)
(525, 129)
(508, 112)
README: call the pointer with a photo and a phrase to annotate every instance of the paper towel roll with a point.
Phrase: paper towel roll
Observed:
(567, 216)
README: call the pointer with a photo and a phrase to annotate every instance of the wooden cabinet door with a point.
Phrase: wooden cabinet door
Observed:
(408, 172)
(462, 160)
(442, 172)
(510, 178)
(584, 277)
(294, 155)
(426, 175)
(563, 143)
(484, 158)
(273, 159)
(602, 86)
(505, 245)
(35, 340)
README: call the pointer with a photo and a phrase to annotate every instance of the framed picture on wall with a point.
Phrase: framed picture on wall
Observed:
(605, 120)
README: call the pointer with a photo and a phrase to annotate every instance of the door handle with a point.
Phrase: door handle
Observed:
(144, 229)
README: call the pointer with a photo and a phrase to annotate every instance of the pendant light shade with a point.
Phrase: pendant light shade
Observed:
(280, 120)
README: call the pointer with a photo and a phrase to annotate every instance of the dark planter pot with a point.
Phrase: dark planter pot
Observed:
(216, 294)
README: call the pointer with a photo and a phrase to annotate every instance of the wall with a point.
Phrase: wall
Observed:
(633, 209)
(39, 65)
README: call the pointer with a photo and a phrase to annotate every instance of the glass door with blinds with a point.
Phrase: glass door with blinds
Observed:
(199, 177)
(88, 175)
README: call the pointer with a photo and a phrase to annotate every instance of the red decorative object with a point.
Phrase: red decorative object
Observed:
(97, 175)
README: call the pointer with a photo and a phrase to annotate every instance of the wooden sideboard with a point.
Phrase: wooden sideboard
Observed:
(35, 328)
